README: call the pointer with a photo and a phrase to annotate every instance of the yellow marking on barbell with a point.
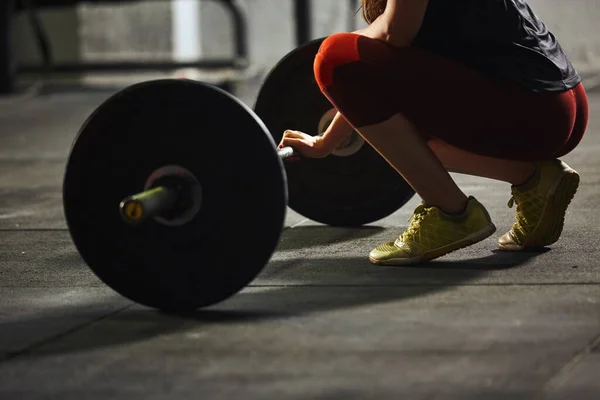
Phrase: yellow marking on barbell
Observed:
(134, 210)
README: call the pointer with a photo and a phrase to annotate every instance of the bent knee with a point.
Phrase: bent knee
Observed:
(336, 50)
(340, 48)
(437, 146)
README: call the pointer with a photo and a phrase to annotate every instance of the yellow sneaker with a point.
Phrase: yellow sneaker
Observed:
(433, 233)
(541, 207)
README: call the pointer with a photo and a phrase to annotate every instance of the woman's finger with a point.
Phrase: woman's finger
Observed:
(287, 135)
(295, 134)
(294, 142)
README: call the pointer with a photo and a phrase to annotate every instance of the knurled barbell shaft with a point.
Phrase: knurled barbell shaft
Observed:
(150, 203)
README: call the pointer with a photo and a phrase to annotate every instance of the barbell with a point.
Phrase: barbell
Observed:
(175, 194)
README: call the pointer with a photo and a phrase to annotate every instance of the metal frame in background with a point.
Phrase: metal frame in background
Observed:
(9, 69)
(303, 16)
(8, 66)
(239, 61)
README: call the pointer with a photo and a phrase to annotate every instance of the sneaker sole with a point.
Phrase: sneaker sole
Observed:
(442, 251)
(550, 227)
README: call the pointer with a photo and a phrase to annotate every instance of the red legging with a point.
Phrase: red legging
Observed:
(369, 81)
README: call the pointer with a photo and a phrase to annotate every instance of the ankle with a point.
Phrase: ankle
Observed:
(455, 209)
(523, 181)
(456, 212)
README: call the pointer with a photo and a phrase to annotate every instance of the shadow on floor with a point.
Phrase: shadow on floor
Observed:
(361, 286)
(302, 237)
(499, 260)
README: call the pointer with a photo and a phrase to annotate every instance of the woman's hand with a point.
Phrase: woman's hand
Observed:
(307, 145)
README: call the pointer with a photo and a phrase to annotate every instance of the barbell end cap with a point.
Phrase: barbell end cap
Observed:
(132, 211)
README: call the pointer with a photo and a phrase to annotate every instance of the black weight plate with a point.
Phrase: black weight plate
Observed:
(339, 191)
(227, 148)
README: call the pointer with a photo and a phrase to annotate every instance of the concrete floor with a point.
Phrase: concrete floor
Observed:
(319, 323)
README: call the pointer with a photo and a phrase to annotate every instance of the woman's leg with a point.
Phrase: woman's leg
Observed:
(541, 197)
(369, 82)
(447, 220)
(511, 171)
(399, 98)
(410, 155)
(463, 162)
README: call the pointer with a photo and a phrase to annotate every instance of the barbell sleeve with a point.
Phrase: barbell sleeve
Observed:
(150, 203)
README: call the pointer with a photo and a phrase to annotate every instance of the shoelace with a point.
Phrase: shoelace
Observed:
(522, 225)
(415, 220)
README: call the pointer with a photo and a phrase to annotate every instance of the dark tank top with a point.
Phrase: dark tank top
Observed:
(503, 39)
